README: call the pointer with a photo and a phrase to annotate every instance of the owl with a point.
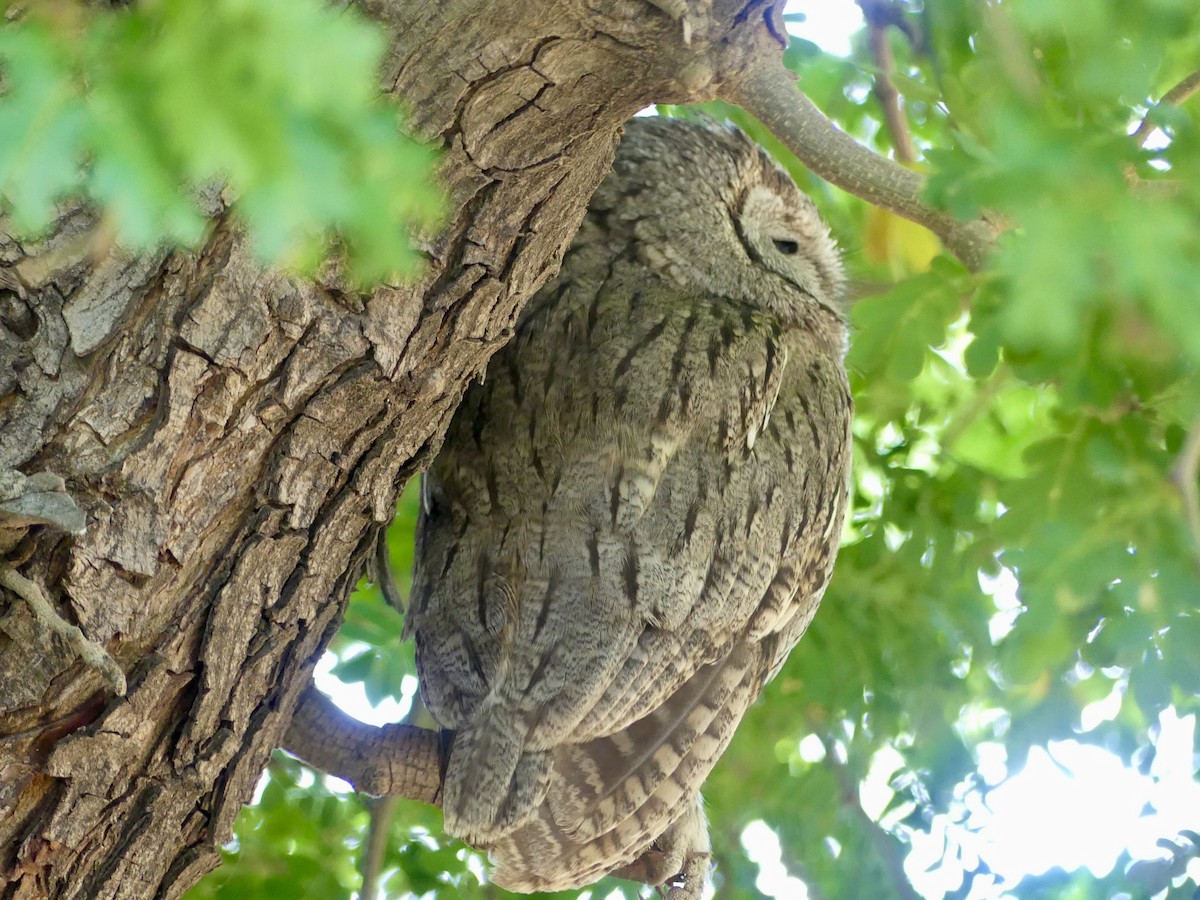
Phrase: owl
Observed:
(634, 515)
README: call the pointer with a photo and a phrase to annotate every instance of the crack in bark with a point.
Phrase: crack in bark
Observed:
(474, 86)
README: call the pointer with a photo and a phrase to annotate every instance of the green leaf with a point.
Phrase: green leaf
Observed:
(169, 98)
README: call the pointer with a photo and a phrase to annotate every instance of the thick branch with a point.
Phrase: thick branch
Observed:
(395, 760)
(392, 761)
(769, 91)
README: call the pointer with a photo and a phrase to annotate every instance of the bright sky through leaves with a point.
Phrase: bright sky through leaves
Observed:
(1071, 805)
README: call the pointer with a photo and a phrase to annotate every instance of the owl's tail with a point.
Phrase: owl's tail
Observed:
(631, 799)
(493, 784)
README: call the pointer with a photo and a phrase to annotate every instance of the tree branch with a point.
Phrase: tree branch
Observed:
(768, 91)
(384, 576)
(382, 810)
(879, 14)
(884, 841)
(1186, 471)
(1176, 95)
(392, 761)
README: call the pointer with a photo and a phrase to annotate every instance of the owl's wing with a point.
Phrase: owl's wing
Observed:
(747, 582)
(592, 567)
(604, 813)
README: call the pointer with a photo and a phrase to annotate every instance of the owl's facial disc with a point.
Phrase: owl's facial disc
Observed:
(789, 239)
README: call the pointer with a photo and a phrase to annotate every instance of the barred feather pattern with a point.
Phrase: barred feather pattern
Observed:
(634, 515)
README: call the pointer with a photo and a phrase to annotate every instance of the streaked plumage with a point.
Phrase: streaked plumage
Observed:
(634, 516)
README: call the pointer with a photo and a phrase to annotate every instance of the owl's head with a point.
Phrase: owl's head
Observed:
(708, 208)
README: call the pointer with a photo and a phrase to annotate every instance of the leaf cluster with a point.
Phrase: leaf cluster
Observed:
(164, 112)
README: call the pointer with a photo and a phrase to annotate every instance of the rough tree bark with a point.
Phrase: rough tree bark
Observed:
(235, 438)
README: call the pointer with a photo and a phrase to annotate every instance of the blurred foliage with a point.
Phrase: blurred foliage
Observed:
(168, 99)
(1020, 547)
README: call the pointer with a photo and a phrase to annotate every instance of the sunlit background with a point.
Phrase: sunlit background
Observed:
(1069, 805)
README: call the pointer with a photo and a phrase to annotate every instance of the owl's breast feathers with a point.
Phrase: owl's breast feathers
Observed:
(631, 523)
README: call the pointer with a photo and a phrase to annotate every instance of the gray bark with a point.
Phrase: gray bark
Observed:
(235, 438)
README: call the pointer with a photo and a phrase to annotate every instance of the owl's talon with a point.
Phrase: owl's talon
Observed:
(688, 883)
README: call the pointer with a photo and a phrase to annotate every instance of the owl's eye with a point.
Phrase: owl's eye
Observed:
(786, 247)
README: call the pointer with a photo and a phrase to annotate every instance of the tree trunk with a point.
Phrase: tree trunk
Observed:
(236, 438)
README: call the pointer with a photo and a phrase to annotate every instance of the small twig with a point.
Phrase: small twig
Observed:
(1173, 97)
(879, 14)
(885, 843)
(805, 873)
(1012, 51)
(392, 761)
(1176, 95)
(381, 810)
(1185, 473)
(768, 91)
(89, 651)
(980, 403)
(383, 573)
